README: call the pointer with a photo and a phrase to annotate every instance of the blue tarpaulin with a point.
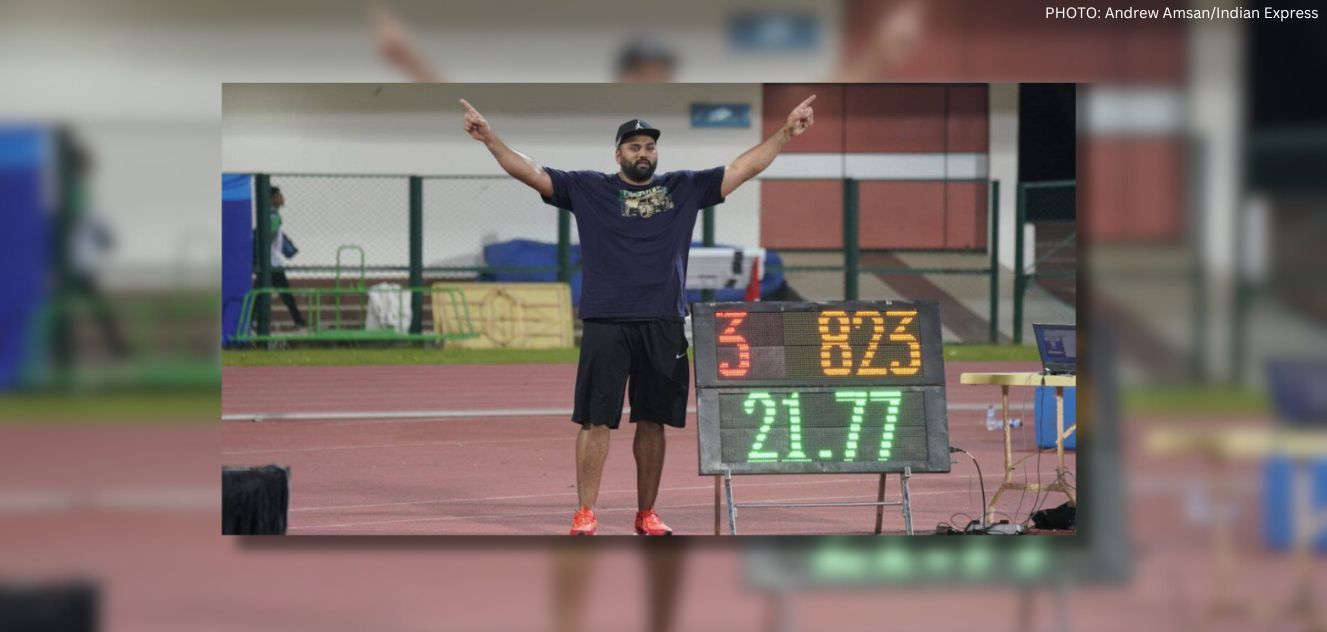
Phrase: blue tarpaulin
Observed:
(524, 253)
(236, 248)
(1279, 511)
(24, 244)
(1044, 412)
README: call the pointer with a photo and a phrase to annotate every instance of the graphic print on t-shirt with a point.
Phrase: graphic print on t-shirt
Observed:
(645, 203)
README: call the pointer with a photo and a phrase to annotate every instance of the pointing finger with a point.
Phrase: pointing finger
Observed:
(806, 102)
(469, 107)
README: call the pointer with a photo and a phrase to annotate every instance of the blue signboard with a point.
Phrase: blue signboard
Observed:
(774, 32)
(721, 115)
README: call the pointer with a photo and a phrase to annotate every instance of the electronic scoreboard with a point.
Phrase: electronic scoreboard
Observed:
(800, 388)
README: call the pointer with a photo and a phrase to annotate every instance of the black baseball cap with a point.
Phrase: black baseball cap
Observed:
(633, 127)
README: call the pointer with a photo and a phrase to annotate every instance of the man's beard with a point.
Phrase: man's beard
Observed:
(641, 173)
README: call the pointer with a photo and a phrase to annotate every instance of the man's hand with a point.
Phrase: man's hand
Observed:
(758, 158)
(515, 163)
(800, 119)
(476, 125)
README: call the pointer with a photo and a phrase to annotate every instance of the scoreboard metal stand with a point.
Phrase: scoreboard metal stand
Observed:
(727, 481)
(819, 388)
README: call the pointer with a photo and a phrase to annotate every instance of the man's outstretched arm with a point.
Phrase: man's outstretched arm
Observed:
(515, 163)
(758, 158)
(395, 45)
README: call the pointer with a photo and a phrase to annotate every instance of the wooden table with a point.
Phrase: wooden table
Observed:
(1221, 447)
(1006, 380)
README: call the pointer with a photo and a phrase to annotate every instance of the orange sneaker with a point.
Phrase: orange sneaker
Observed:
(584, 522)
(648, 523)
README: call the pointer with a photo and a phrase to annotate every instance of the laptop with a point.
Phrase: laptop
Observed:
(1058, 346)
(1298, 389)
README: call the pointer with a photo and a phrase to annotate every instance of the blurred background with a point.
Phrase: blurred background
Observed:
(1200, 158)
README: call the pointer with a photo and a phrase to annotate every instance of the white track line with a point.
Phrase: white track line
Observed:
(403, 414)
(45, 501)
(420, 444)
(343, 525)
(617, 437)
(39, 501)
(372, 446)
(441, 501)
(453, 414)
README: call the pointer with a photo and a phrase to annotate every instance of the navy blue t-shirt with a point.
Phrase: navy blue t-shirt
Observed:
(635, 239)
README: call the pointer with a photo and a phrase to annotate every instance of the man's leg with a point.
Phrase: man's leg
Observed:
(591, 452)
(601, 378)
(101, 313)
(572, 566)
(663, 569)
(280, 280)
(649, 447)
(658, 394)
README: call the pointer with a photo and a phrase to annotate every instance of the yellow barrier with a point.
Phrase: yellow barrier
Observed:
(508, 315)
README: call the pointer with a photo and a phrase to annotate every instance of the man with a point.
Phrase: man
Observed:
(87, 243)
(635, 231)
(283, 248)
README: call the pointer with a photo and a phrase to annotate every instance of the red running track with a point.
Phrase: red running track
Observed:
(514, 475)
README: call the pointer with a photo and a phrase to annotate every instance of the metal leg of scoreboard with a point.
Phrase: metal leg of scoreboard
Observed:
(907, 503)
(718, 513)
(907, 500)
(880, 508)
(732, 507)
(879, 504)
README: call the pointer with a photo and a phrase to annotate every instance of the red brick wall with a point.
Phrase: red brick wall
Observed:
(879, 119)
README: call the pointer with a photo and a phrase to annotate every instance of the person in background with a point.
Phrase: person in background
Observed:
(86, 242)
(282, 249)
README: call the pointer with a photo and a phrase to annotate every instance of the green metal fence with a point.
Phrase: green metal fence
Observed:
(852, 267)
(412, 230)
(91, 335)
(166, 338)
(1051, 208)
(402, 229)
(347, 322)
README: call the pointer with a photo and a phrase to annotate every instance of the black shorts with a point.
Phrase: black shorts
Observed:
(652, 353)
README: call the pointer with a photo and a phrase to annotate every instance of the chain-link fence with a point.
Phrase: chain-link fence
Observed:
(362, 230)
(149, 326)
(357, 231)
(323, 213)
(1045, 285)
(462, 214)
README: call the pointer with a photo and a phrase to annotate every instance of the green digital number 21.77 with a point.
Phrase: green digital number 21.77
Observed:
(792, 403)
